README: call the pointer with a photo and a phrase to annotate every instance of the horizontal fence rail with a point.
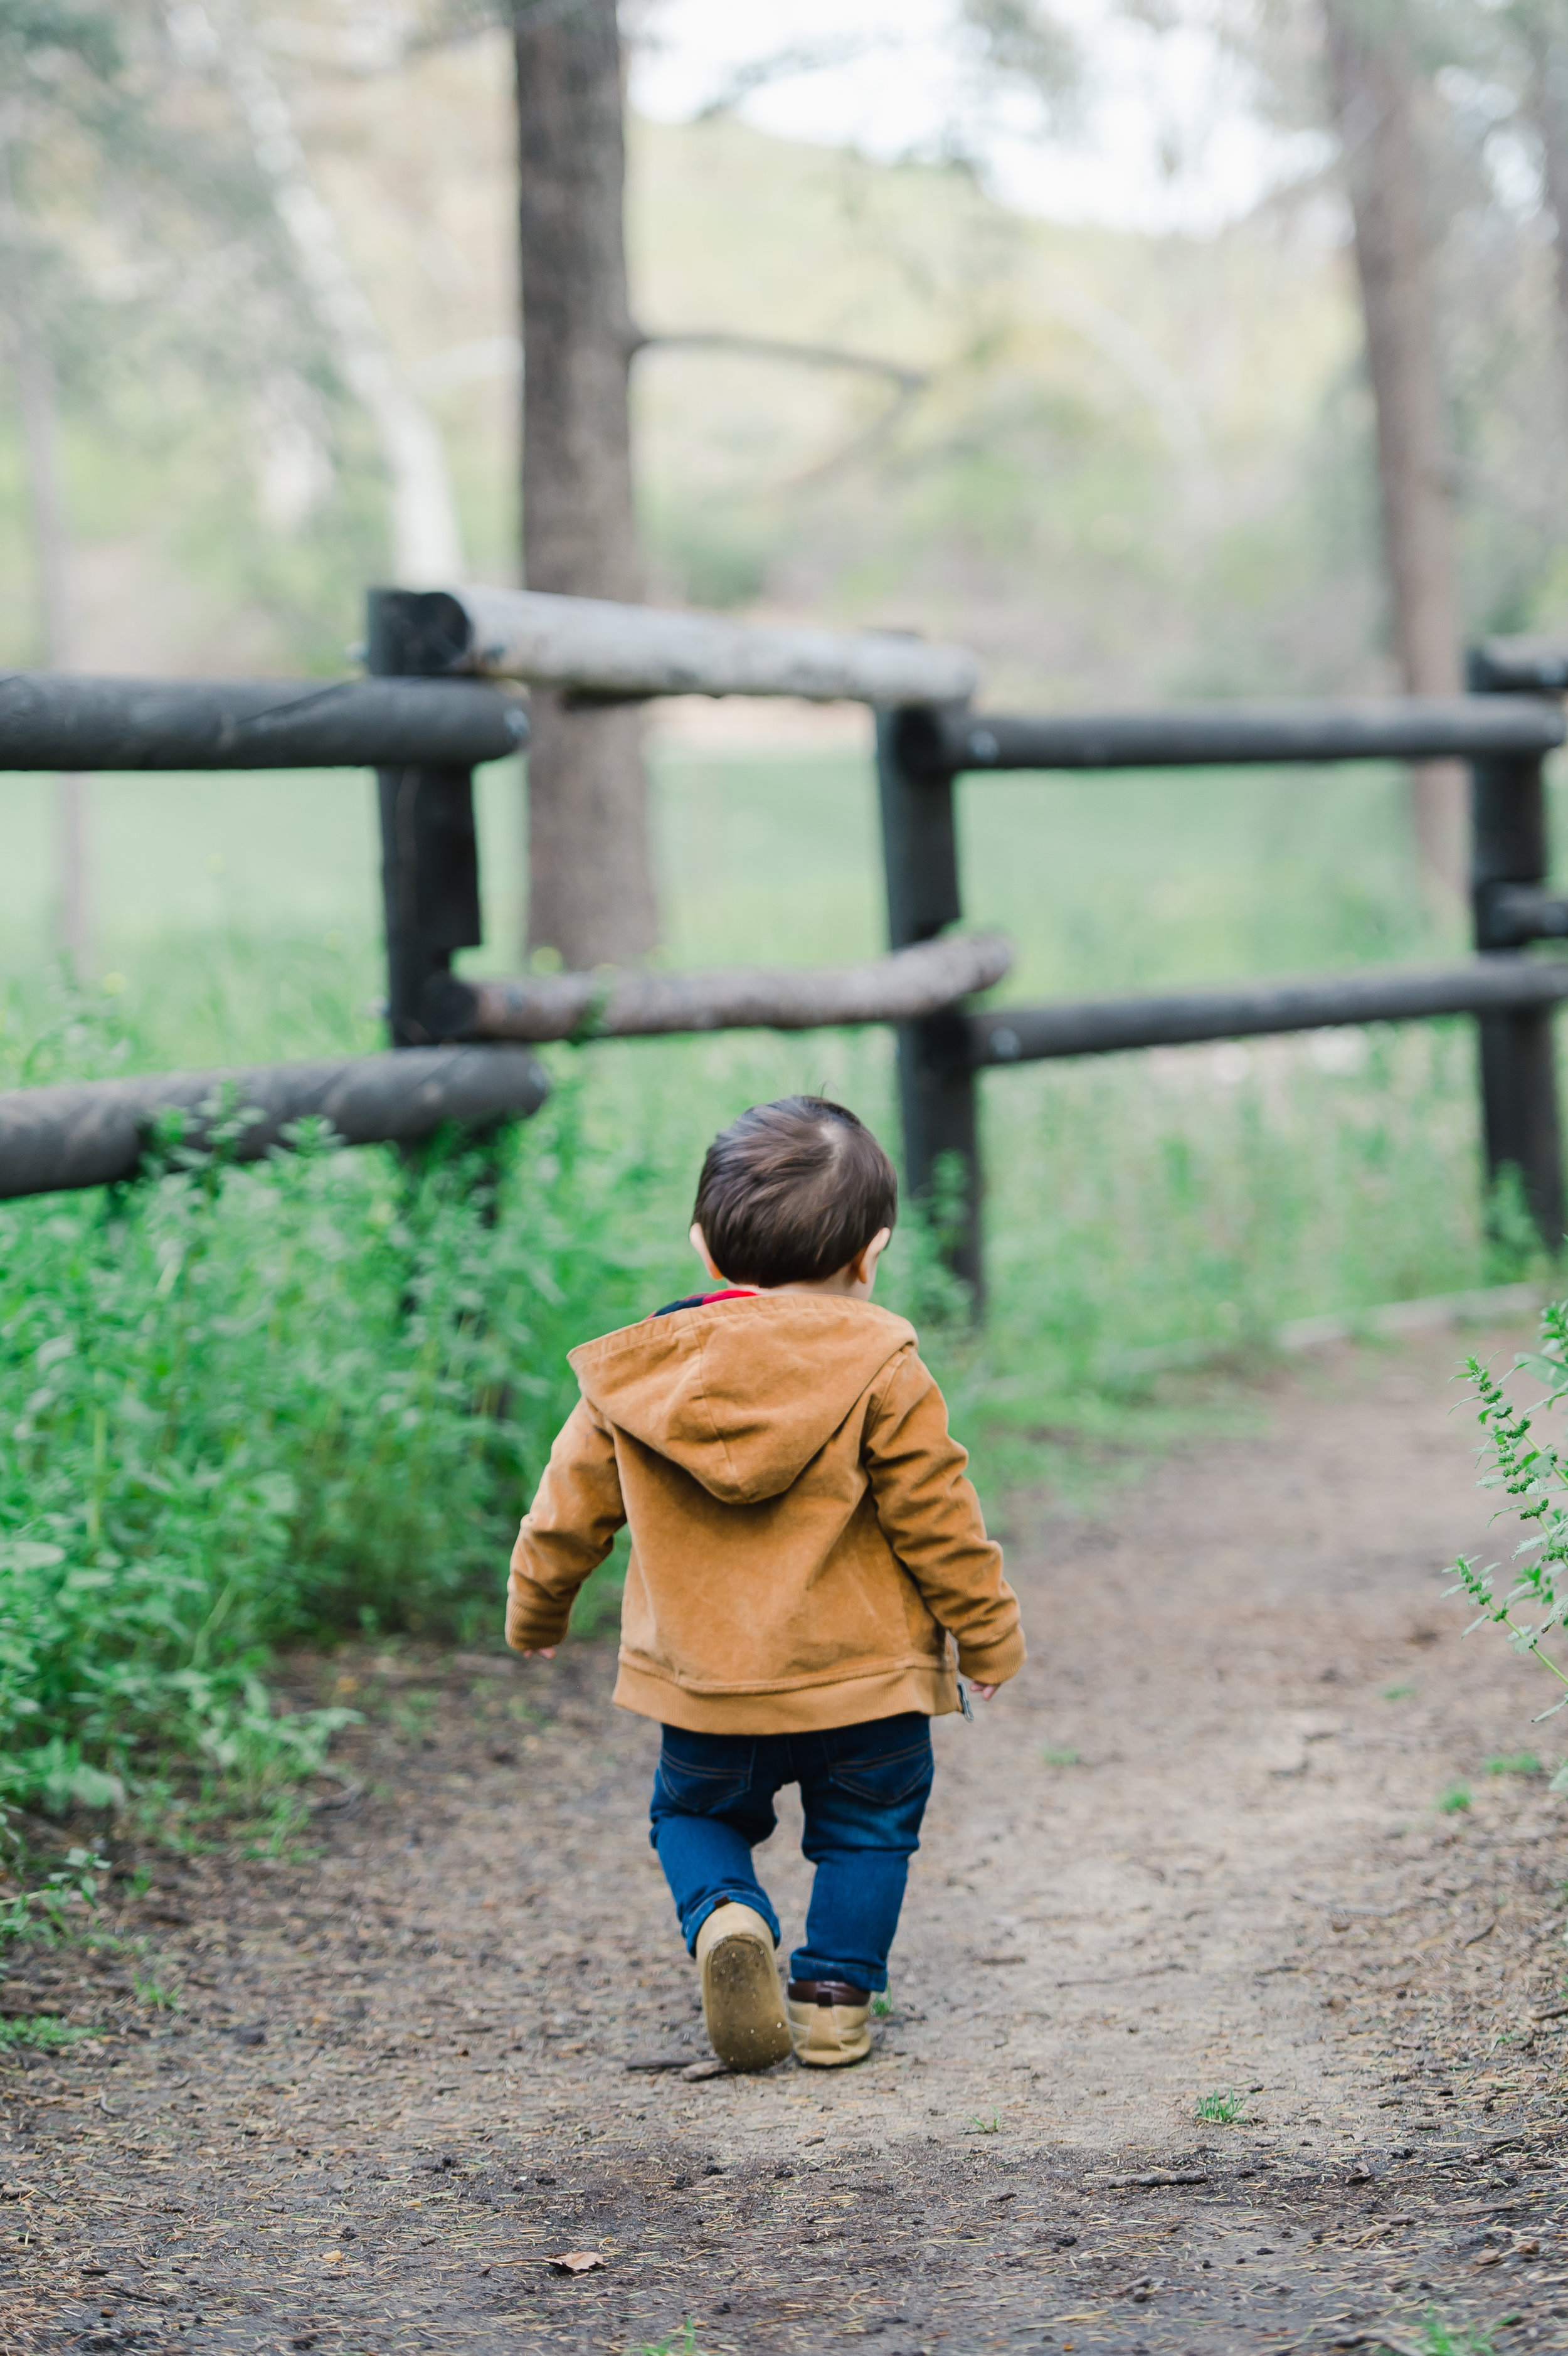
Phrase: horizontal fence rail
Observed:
(629, 652)
(55, 720)
(1411, 728)
(632, 1005)
(1108, 1026)
(96, 1132)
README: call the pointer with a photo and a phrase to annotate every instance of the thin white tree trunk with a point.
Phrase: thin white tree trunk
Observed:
(37, 401)
(427, 541)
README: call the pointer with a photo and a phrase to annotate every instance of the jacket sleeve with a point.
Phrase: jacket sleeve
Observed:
(932, 1519)
(567, 1531)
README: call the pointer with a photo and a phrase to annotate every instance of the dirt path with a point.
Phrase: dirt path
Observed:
(406, 2075)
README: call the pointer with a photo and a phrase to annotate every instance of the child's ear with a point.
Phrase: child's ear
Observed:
(699, 1245)
(866, 1266)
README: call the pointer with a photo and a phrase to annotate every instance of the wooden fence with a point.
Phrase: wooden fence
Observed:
(437, 704)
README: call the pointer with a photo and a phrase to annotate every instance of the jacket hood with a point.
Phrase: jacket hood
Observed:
(741, 1394)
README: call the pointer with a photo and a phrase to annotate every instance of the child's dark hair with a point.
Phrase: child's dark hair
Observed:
(794, 1191)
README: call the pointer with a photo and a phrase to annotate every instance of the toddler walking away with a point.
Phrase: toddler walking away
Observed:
(803, 1541)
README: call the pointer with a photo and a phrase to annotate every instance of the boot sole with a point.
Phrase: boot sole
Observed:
(745, 2010)
(832, 2061)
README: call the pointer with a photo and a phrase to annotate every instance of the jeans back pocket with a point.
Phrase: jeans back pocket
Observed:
(884, 1777)
(703, 1774)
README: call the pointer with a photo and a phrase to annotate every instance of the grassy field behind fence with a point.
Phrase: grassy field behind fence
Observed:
(240, 1406)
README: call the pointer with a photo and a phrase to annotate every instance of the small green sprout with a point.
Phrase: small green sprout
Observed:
(1515, 1762)
(993, 2125)
(155, 1992)
(679, 2343)
(1226, 2110)
(1055, 1756)
(1397, 1693)
(882, 2006)
(1453, 1801)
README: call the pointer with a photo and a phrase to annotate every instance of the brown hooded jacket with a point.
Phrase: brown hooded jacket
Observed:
(803, 1536)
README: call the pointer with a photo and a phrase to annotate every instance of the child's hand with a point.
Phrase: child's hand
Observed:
(986, 1693)
(547, 1653)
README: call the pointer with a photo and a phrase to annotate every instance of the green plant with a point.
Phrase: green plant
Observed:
(993, 2125)
(155, 1993)
(1515, 1762)
(1059, 1756)
(249, 1407)
(1453, 1801)
(58, 1903)
(1531, 1471)
(679, 2343)
(1221, 2110)
(1438, 2337)
(1396, 1693)
(43, 2030)
(882, 2006)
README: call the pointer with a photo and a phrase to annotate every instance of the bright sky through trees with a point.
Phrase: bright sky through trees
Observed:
(1164, 137)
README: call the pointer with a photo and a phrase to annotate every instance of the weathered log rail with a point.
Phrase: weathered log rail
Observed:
(1112, 1027)
(636, 1005)
(631, 652)
(1218, 736)
(96, 1132)
(55, 720)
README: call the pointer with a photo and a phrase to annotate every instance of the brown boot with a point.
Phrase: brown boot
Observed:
(830, 2022)
(740, 2002)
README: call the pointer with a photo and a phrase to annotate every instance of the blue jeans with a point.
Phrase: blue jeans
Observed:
(864, 1790)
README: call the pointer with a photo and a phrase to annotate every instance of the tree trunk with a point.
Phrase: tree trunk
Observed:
(1373, 78)
(38, 406)
(590, 892)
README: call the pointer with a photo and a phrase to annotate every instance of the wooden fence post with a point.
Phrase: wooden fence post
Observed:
(430, 851)
(936, 1077)
(1509, 861)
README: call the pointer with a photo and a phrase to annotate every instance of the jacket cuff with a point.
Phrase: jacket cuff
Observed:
(993, 1664)
(535, 1618)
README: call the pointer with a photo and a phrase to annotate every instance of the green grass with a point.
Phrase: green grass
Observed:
(1515, 1762)
(248, 1407)
(1221, 2110)
(156, 1994)
(1396, 1693)
(1054, 1757)
(44, 2032)
(1438, 2337)
(1453, 1801)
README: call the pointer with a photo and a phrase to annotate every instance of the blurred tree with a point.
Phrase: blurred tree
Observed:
(426, 540)
(590, 888)
(55, 59)
(1374, 82)
(1025, 42)
(1542, 28)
